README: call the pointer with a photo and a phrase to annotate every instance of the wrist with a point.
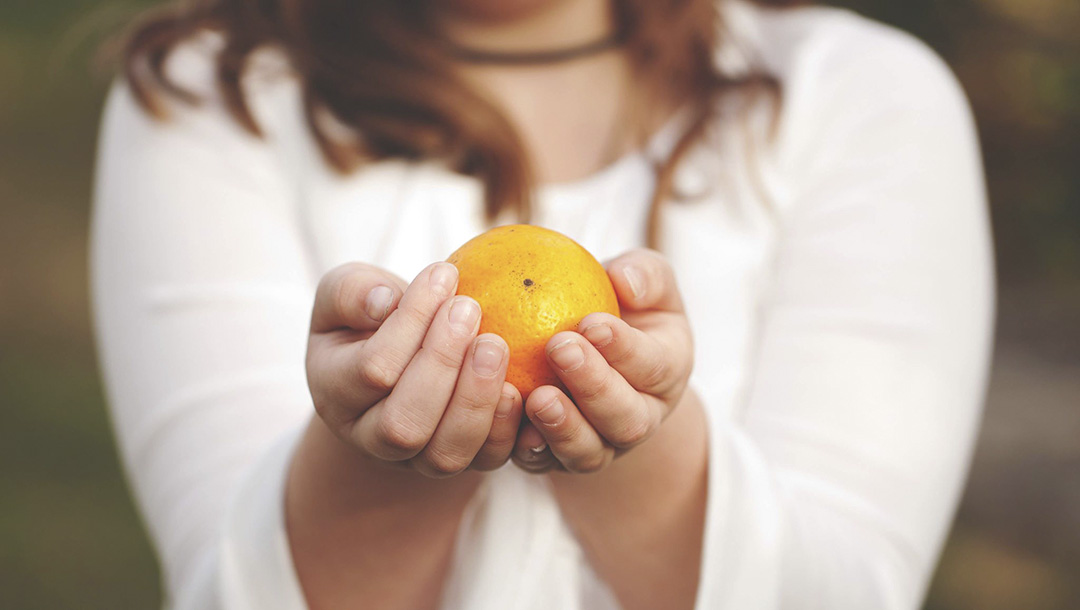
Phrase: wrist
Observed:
(352, 522)
(641, 520)
(329, 473)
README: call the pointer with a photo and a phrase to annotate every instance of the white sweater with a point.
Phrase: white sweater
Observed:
(838, 278)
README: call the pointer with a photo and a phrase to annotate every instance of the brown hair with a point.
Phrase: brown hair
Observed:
(408, 104)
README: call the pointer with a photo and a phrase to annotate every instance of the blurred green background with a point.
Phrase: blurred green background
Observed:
(70, 538)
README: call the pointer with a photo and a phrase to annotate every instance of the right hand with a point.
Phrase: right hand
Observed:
(398, 371)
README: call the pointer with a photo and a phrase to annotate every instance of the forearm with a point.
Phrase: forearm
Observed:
(641, 520)
(365, 535)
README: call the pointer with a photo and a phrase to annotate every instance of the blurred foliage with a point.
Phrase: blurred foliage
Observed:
(70, 538)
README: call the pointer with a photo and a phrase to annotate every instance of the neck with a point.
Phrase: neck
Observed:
(552, 24)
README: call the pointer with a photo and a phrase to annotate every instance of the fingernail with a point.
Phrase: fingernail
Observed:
(552, 414)
(567, 355)
(505, 406)
(534, 452)
(635, 280)
(598, 334)
(487, 358)
(464, 316)
(444, 278)
(378, 301)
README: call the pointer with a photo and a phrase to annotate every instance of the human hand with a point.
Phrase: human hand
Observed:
(398, 371)
(624, 377)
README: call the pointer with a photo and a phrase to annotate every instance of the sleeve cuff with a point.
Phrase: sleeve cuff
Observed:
(256, 570)
(740, 555)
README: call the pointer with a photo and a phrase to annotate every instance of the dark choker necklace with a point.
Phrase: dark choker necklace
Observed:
(533, 58)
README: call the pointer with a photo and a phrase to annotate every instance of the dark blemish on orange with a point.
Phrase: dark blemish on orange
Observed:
(528, 282)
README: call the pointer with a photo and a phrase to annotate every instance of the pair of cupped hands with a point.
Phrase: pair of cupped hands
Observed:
(398, 371)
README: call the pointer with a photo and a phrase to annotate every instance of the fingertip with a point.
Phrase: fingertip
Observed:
(489, 356)
(443, 278)
(463, 313)
(598, 317)
(566, 352)
(634, 281)
(539, 396)
(504, 432)
(546, 406)
(353, 295)
(628, 274)
(492, 337)
(600, 329)
(509, 401)
(530, 440)
(511, 390)
(379, 301)
(559, 339)
(531, 450)
(644, 279)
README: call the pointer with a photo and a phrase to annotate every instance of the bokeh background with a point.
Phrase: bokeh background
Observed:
(70, 538)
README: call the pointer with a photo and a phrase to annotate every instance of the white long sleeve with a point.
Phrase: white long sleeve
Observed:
(833, 485)
(837, 275)
(202, 292)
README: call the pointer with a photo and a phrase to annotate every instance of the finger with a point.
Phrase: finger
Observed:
(568, 434)
(645, 362)
(531, 452)
(381, 360)
(467, 421)
(400, 426)
(504, 431)
(355, 295)
(623, 416)
(643, 279)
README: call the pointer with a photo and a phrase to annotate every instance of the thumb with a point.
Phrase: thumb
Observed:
(355, 295)
(644, 279)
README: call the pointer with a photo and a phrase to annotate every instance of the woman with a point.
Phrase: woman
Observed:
(783, 420)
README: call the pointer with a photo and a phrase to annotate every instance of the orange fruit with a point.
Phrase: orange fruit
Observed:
(531, 283)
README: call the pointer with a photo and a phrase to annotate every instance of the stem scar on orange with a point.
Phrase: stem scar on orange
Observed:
(531, 283)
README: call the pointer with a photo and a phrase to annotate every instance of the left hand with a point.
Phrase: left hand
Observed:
(624, 377)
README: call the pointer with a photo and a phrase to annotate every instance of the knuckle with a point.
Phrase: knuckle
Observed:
(648, 258)
(494, 452)
(443, 464)
(500, 437)
(657, 374)
(327, 396)
(418, 316)
(400, 435)
(377, 373)
(594, 388)
(569, 436)
(445, 356)
(655, 261)
(474, 403)
(657, 270)
(330, 280)
(591, 463)
(345, 294)
(618, 352)
(636, 430)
